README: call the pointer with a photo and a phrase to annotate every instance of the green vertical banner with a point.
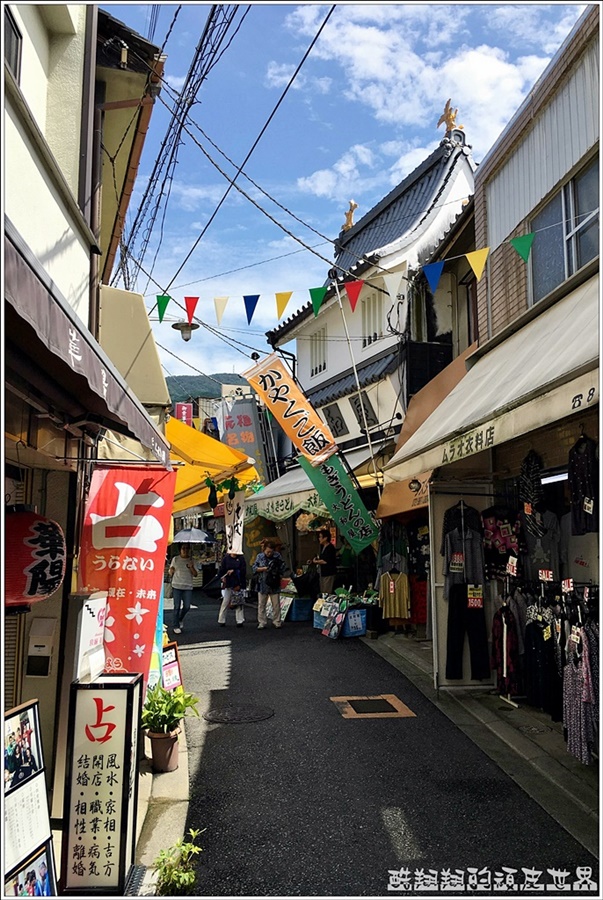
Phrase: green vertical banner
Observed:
(335, 489)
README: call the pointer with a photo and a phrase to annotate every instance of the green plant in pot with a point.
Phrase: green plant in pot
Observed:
(174, 867)
(162, 714)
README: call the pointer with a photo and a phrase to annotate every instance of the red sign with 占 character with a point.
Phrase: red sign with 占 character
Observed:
(123, 549)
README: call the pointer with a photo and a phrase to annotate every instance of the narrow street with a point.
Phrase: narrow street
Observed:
(308, 802)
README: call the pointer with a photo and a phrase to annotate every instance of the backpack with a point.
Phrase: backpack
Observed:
(273, 575)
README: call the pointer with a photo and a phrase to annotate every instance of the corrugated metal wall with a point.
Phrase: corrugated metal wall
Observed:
(559, 138)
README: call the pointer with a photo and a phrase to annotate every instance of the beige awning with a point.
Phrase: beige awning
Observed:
(399, 497)
(544, 372)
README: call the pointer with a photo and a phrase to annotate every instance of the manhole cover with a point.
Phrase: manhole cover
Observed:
(534, 729)
(372, 706)
(232, 715)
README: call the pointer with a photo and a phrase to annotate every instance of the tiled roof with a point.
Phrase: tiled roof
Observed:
(397, 215)
(368, 374)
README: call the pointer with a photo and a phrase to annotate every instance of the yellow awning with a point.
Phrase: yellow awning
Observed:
(203, 457)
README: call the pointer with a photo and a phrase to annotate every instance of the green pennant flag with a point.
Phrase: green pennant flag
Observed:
(337, 492)
(317, 295)
(162, 302)
(523, 245)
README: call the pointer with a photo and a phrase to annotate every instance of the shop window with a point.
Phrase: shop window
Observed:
(318, 351)
(372, 319)
(567, 232)
(13, 42)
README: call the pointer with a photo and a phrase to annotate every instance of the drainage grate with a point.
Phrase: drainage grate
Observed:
(135, 881)
(378, 705)
(235, 714)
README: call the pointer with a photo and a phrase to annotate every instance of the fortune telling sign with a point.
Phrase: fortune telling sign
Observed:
(294, 413)
(335, 489)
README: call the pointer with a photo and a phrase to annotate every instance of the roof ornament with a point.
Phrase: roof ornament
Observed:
(448, 118)
(349, 216)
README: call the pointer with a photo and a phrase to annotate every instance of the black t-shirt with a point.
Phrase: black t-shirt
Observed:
(329, 554)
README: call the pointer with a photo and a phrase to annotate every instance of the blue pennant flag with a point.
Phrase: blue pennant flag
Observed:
(251, 301)
(433, 273)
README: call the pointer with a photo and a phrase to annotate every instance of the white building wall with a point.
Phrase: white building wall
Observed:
(35, 59)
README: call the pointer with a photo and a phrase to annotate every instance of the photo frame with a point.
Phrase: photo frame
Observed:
(44, 879)
(23, 757)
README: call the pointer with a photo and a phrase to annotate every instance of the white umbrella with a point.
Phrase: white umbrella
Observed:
(192, 536)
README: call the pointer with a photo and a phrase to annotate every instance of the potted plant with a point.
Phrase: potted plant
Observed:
(174, 867)
(162, 713)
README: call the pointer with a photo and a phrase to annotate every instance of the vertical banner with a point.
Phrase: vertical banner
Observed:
(234, 518)
(294, 413)
(123, 549)
(241, 430)
(336, 490)
(184, 413)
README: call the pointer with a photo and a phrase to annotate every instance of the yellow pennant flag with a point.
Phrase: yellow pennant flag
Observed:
(282, 299)
(220, 304)
(477, 261)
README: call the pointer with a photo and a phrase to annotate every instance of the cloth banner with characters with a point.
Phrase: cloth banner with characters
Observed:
(123, 550)
(234, 520)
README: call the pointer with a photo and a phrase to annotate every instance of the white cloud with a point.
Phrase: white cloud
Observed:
(176, 82)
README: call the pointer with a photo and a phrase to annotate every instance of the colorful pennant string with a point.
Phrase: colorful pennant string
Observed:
(353, 289)
(433, 273)
(317, 295)
(282, 299)
(191, 305)
(523, 244)
(477, 261)
(162, 303)
(250, 301)
(220, 304)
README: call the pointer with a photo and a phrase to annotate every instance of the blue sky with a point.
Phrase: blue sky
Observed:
(360, 115)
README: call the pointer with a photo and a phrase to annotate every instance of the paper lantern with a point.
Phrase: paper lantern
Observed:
(35, 558)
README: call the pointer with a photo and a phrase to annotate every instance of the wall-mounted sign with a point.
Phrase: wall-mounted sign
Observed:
(101, 787)
(184, 412)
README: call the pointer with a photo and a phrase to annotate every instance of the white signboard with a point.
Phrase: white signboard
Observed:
(90, 649)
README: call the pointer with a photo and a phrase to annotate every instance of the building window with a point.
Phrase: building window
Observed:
(372, 319)
(567, 232)
(318, 351)
(12, 44)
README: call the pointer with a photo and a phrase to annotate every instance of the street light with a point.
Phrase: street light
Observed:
(185, 329)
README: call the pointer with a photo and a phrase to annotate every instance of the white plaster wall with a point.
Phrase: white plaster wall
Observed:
(33, 204)
(35, 59)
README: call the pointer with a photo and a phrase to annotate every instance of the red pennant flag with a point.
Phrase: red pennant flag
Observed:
(191, 305)
(353, 289)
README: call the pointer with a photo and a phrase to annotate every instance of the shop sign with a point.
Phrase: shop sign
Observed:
(279, 508)
(586, 398)
(294, 413)
(101, 787)
(340, 497)
(471, 442)
(242, 431)
(171, 676)
(35, 560)
(123, 549)
(184, 412)
(90, 648)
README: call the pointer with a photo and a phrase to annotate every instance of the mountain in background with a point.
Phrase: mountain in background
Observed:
(184, 388)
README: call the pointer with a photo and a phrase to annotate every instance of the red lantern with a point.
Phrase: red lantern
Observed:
(35, 558)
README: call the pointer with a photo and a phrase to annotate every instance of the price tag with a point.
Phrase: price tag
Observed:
(392, 587)
(586, 593)
(423, 530)
(575, 635)
(588, 505)
(475, 596)
(545, 574)
(567, 585)
(527, 508)
(546, 634)
(512, 566)
(457, 562)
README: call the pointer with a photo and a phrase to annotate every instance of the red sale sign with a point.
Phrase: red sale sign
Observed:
(123, 549)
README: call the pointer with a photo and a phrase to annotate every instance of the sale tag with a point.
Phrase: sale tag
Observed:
(545, 574)
(457, 562)
(567, 585)
(546, 634)
(588, 505)
(512, 566)
(475, 596)
(527, 508)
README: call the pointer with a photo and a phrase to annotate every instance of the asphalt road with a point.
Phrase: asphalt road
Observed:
(309, 803)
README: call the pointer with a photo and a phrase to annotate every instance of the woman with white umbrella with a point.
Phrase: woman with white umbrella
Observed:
(182, 571)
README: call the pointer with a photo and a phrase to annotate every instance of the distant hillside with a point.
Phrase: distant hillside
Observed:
(189, 387)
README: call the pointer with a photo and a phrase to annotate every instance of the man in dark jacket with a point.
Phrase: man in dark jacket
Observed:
(233, 577)
(269, 566)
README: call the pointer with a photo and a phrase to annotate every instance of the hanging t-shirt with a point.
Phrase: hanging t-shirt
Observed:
(542, 549)
(394, 595)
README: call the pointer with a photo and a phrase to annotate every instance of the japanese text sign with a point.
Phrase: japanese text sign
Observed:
(234, 521)
(341, 499)
(296, 416)
(242, 431)
(101, 788)
(123, 548)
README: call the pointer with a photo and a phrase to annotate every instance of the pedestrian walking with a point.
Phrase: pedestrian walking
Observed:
(269, 566)
(233, 576)
(182, 571)
(326, 561)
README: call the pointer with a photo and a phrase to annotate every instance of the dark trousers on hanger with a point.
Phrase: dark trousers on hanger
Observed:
(471, 621)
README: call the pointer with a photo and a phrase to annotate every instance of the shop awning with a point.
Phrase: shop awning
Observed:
(294, 492)
(48, 346)
(399, 497)
(544, 372)
(203, 457)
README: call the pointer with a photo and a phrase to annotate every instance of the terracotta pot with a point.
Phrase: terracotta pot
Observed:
(164, 750)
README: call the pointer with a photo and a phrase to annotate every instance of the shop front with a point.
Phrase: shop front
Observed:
(512, 460)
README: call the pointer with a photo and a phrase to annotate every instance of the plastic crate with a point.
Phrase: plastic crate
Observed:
(301, 610)
(355, 623)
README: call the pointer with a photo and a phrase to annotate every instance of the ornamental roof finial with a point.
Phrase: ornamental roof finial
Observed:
(448, 117)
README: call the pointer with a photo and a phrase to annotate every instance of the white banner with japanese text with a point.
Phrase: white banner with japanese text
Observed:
(123, 550)
(234, 520)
